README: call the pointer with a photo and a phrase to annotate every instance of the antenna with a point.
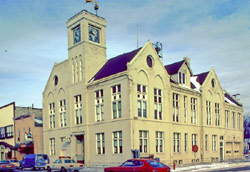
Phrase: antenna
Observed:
(236, 95)
(137, 38)
(158, 49)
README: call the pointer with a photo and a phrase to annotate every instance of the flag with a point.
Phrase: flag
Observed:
(86, 1)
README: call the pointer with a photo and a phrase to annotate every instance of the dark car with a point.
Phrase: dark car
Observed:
(34, 161)
(143, 165)
(5, 165)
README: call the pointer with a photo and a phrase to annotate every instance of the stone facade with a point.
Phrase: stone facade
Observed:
(102, 112)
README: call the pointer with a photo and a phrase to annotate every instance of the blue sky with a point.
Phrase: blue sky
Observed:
(213, 33)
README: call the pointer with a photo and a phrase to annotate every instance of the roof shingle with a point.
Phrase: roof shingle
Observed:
(115, 65)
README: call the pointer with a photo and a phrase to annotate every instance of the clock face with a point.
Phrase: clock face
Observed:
(94, 34)
(77, 35)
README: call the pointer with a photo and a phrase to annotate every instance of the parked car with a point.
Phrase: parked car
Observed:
(6, 165)
(143, 165)
(34, 161)
(15, 162)
(63, 164)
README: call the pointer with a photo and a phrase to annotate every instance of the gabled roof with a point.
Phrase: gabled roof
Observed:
(201, 77)
(115, 65)
(174, 68)
(229, 99)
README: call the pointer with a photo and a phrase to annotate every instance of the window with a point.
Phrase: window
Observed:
(100, 143)
(19, 135)
(186, 142)
(78, 109)
(206, 142)
(77, 34)
(99, 105)
(239, 121)
(217, 114)
(194, 139)
(116, 99)
(158, 103)
(209, 114)
(177, 137)
(142, 100)
(159, 141)
(143, 141)
(193, 110)
(185, 109)
(233, 114)
(2, 136)
(176, 109)
(52, 146)
(117, 142)
(227, 113)
(62, 110)
(9, 131)
(182, 78)
(52, 115)
(214, 144)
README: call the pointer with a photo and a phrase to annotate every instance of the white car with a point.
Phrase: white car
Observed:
(63, 164)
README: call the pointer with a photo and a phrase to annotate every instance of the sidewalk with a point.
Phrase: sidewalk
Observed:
(212, 166)
(193, 167)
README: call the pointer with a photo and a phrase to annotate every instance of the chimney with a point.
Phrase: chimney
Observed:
(187, 59)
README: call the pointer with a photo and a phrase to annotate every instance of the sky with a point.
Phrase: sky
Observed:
(214, 33)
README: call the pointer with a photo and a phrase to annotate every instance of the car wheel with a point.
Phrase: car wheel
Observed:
(76, 170)
(48, 168)
(63, 169)
(33, 168)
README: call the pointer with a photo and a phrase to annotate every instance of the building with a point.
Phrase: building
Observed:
(28, 131)
(6, 131)
(102, 112)
(21, 131)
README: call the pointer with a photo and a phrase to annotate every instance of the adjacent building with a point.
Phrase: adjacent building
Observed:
(28, 131)
(102, 112)
(7, 131)
(21, 131)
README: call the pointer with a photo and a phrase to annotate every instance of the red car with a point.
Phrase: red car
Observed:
(139, 165)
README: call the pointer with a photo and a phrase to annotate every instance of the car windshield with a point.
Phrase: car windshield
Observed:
(69, 161)
(13, 160)
(4, 162)
(155, 164)
(128, 163)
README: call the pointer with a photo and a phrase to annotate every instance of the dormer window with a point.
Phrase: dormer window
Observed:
(182, 78)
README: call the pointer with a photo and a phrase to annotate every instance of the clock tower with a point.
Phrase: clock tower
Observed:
(86, 45)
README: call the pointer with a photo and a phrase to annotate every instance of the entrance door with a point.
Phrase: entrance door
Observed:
(80, 148)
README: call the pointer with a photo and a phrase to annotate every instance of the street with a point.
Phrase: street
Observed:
(239, 168)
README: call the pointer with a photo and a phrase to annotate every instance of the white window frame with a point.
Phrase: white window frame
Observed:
(194, 110)
(117, 142)
(78, 109)
(62, 111)
(185, 108)
(176, 107)
(217, 114)
(142, 100)
(52, 147)
(159, 137)
(52, 115)
(99, 105)
(157, 103)
(100, 143)
(143, 141)
(209, 112)
(116, 101)
(177, 142)
(214, 142)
